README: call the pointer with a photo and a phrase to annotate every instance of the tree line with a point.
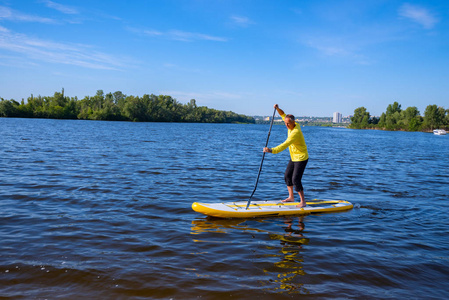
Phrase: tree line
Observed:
(117, 107)
(395, 118)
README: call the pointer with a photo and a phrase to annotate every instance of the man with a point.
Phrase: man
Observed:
(298, 157)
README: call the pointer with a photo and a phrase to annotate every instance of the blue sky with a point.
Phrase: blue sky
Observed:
(311, 57)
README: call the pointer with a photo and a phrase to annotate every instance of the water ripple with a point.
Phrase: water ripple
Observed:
(102, 210)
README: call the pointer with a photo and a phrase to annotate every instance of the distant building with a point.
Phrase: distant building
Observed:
(337, 117)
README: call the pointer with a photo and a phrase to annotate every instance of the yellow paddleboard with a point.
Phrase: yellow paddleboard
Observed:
(268, 208)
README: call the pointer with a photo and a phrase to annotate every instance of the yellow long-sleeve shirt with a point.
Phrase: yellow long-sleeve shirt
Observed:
(295, 143)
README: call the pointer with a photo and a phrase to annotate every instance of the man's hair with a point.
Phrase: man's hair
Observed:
(291, 117)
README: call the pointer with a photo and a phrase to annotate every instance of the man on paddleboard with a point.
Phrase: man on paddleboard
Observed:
(298, 156)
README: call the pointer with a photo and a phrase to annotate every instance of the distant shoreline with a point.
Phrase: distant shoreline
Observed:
(117, 107)
(397, 119)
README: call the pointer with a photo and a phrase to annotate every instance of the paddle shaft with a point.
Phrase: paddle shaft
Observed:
(261, 163)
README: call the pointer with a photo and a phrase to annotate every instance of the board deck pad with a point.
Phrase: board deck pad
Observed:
(268, 208)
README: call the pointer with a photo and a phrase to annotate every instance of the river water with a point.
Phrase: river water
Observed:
(102, 210)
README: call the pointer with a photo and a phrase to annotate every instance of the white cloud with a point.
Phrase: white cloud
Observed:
(329, 49)
(39, 50)
(336, 46)
(152, 32)
(418, 14)
(13, 15)
(178, 35)
(241, 21)
(191, 36)
(343, 48)
(61, 8)
(15, 61)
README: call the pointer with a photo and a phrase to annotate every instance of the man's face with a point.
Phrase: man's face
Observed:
(289, 123)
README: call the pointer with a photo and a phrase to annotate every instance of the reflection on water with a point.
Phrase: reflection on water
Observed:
(283, 252)
(216, 225)
(289, 269)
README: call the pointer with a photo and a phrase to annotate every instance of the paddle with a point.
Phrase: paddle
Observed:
(261, 163)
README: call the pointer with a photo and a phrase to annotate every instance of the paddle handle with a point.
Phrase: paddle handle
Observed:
(261, 163)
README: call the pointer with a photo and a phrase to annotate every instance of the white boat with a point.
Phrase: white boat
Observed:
(439, 132)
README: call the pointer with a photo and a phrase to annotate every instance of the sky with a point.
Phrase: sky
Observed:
(312, 58)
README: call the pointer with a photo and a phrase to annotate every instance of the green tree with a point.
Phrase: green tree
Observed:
(9, 108)
(442, 114)
(392, 108)
(410, 119)
(410, 113)
(70, 110)
(189, 112)
(446, 118)
(98, 101)
(382, 121)
(415, 124)
(360, 119)
(110, 111)
(433, 117)
(135, 109)
(117, 106)
(393, 116)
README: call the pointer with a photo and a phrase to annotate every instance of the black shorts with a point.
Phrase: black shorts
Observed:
(293, 174)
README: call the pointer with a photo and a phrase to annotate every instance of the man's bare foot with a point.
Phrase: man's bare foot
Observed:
(288, 200)
(300, 205)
